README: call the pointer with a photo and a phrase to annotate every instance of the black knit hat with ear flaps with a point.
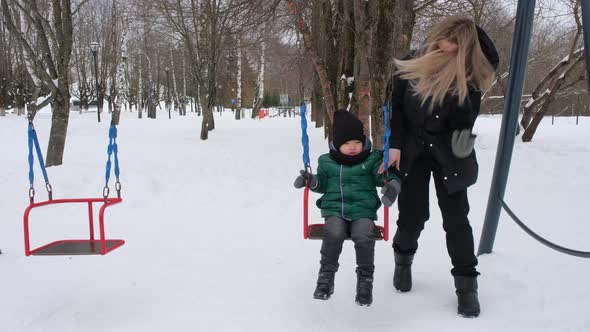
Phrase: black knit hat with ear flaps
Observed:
(347, 127)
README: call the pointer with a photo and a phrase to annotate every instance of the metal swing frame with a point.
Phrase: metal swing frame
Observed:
(508, 132)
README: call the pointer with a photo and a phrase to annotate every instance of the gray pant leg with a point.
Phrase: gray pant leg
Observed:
(362, 232)
(335, 232)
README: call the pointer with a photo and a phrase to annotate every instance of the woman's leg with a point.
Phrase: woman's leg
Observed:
(459, 235)
(413, 207)
(454, 208)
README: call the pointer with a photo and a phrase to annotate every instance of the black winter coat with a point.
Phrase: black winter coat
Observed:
(414, 128)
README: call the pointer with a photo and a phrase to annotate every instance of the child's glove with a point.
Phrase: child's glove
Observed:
(462, 143)
(312, 180)
(390, 191)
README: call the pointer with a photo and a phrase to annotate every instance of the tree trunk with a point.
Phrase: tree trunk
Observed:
(317, 104)
(365, 13)
(121, 70)
(259, 97)
(198, 98)
(330, 41)
(550, 96)
(3, 96)
(301, 86)
(239, 82)
(381, 57)
(346, 61)
(20, 99)
(174, 98)
(59, 126)
(404, 20)
(318, 35)
(261, 73)
(316, 60)
(541, 92)
(140, 100)
(183, 99)
(204, 126)
(3, 93)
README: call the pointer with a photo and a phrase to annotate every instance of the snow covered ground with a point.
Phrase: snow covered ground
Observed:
(214, 236)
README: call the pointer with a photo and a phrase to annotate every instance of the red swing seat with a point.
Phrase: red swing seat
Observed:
(316, 231)
(90, 246)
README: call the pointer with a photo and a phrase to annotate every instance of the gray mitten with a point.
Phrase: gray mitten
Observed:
(390, 191)
(312, 180)
(462, 143)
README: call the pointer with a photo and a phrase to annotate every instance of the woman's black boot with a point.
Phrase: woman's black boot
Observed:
(402, 276)
(466, 289)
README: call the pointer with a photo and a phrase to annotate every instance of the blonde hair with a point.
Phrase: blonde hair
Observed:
(434, 73)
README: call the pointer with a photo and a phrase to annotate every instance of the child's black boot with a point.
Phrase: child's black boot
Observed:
(466, 289)
(402, 276)
(325, 285)
(364, 287)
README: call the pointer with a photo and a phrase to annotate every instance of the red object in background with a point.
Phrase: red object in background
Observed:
(263, 113)
(75, 247)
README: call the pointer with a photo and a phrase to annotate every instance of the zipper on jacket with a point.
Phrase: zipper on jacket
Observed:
(341, 193)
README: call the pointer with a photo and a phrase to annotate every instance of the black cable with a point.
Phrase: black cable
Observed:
(568, 251)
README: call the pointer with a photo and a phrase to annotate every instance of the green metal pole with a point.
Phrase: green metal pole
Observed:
(518, 63)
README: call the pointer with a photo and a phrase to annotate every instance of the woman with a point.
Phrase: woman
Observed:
(435, 99)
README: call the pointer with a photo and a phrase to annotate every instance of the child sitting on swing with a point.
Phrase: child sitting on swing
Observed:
(347, 177)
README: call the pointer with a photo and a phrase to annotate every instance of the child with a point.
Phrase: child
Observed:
(347, 176)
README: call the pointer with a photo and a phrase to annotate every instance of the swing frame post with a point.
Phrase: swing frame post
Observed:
(523, 27)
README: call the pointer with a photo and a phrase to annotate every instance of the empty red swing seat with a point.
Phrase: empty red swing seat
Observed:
(90, 246)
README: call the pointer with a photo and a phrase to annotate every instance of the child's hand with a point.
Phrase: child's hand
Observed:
(390, 192)
(312, 180)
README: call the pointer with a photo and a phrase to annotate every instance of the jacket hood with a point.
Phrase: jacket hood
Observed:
(488, 47)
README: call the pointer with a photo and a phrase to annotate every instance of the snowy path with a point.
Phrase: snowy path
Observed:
(214, 243)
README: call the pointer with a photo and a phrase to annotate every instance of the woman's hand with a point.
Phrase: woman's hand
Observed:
(394, 158)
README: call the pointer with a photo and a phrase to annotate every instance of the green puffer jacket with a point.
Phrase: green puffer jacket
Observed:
(349, 191)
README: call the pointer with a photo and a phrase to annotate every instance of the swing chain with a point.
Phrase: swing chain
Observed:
(32, 194)
(49, 190)
(118, 188)
(105, 193)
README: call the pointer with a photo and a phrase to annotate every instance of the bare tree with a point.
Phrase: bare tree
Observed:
(49, 58)
(317, 61)
(5, 66)
(259, 96)
(120, 91)
(239, 80)
(563, 76)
